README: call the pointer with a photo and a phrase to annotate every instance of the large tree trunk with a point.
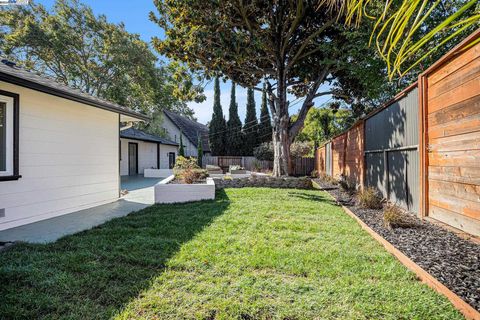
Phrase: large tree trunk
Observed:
(281, 147)
(281, 123)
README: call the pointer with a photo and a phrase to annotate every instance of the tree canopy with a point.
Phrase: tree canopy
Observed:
(84, 51)
(293, 46)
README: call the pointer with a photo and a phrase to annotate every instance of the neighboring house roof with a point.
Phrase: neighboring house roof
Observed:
(191, 129)
(136, 134)
(11, 73)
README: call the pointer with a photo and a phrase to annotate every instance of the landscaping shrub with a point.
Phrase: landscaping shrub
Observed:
(369, 198)
(264, 151)
(314, 174)
(395, 217)
(348, 184)
(183, 163)
(187, 170)
(322, 176)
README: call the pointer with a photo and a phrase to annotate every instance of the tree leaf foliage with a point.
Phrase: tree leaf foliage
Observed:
(76, 47)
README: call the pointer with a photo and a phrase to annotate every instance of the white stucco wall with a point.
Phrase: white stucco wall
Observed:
(147, 155)
(174, 133)
(68, 159)
(164, 151)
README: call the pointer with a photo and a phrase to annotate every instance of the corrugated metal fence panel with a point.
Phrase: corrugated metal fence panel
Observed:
(403, 179)
(413, 180)
(328, 158)
(375, 175)
(411, 111)
(397, 182)
(395, 126)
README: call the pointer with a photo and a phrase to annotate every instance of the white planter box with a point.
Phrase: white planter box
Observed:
(157, 173)
(177, 193)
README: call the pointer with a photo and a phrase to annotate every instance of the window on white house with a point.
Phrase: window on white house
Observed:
(9, 136)
(3, 136)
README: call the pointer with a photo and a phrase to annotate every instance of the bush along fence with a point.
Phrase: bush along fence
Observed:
(300, 166)
(422, 149)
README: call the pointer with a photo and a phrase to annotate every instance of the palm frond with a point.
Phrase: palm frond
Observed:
(397, 26)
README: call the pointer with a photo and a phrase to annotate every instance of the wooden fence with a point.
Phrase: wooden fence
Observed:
(422, 149)
(300, 166)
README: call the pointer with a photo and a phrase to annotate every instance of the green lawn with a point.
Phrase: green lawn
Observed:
(250, 254)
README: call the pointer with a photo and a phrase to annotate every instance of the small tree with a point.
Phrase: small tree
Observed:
(199, 151)
(250, 128)
(234, 139)
(265, 129)
(218, 126)
(181, 151)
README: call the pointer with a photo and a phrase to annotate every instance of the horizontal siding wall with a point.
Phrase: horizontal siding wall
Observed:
(391, 151)
(453, 138)
(68, 159)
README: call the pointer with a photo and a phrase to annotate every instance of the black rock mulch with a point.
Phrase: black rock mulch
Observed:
(452, 260)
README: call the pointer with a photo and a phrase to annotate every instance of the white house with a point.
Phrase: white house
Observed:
(175, 125)
(59, 148)
(140, 150)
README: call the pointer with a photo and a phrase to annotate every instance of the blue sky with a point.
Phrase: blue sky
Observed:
(134, 14)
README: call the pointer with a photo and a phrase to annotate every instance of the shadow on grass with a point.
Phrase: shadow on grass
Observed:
(318, 197)
(95, 273)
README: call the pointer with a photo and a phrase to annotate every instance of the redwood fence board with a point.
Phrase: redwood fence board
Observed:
(452, 134)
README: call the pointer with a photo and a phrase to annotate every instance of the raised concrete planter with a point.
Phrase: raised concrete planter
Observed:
(157, 173)
(177, 193)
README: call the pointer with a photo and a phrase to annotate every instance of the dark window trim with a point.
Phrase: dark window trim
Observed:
(16, 132)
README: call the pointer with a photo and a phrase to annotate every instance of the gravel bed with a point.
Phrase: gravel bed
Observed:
(325, 185)
(452, 260)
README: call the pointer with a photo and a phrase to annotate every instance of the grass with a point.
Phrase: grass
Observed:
(250, 254)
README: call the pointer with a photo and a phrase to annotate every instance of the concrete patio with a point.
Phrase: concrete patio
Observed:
(140, 195)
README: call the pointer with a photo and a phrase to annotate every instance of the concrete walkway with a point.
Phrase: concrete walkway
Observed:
(140, 195)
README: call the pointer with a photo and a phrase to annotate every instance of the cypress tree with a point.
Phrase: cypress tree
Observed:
(250, 128)
(181, 151)
(265, 130)
(199, 152)
(218, 126)
(234, 139)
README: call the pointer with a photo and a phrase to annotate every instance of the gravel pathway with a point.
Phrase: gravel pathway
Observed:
(454, 261)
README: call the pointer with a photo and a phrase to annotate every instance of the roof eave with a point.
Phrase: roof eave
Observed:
(62, 94)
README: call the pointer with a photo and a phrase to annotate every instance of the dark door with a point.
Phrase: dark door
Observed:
(171, 160)
(132, 158)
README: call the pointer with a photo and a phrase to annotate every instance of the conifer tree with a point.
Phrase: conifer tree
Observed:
(250, 128)
(199, 151)
(234, 138)
(265, 128)
(181, 151)
(218, 126)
